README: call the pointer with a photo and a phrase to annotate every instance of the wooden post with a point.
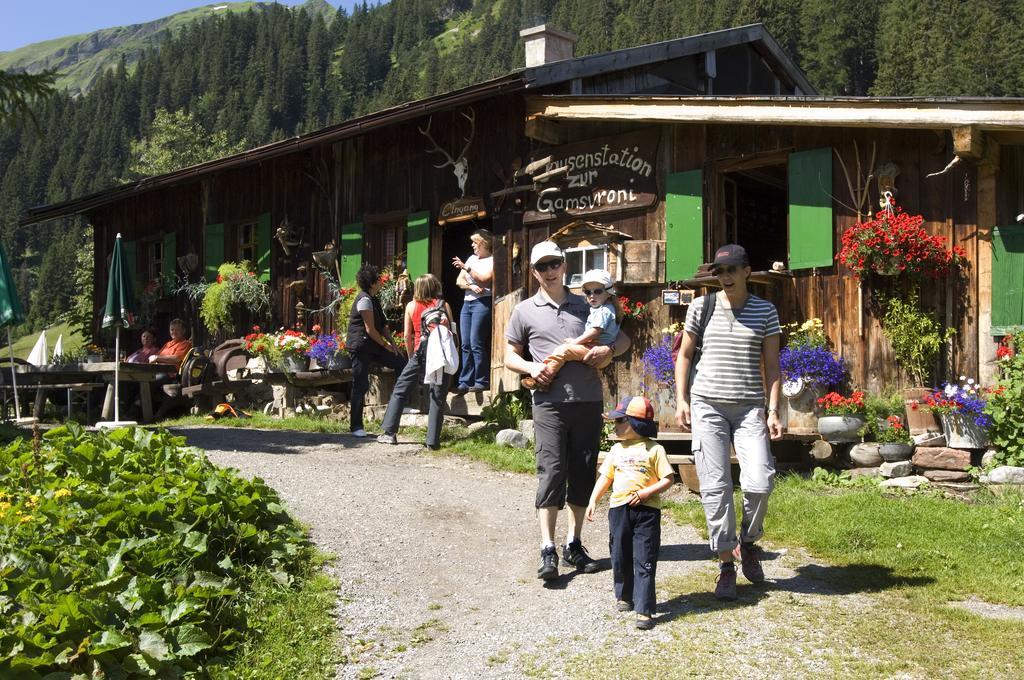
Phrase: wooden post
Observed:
(986, 221)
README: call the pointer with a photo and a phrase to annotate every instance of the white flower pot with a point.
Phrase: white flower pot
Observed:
(840, 429)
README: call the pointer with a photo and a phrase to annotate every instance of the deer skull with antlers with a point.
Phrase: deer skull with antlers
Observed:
(460, 164)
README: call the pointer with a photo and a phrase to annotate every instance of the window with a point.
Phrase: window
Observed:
(247, 242)
(580, 260)
(154, 260)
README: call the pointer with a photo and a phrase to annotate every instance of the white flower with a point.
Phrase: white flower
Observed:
(970, 381)
(962, 378)
(950, 390)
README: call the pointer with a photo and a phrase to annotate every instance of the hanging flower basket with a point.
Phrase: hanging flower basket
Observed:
(895, 243)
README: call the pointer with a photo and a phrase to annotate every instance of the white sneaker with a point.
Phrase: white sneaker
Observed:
(358, 433)
(387, 439)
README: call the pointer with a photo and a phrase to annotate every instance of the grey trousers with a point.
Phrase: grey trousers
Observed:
(716, 425)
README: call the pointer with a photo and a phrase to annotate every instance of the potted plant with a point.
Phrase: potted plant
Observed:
(961, 408)
(632, 311)
(93, 353)
(328, 351)
(895, 442)
(292, 346)
(261, 345)
(916, 339)
(1005, 405)
(809, 369)
(843, 417)
(894, 243)
(237, 289)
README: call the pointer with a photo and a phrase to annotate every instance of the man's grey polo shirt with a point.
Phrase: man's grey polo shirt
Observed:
(539, 325)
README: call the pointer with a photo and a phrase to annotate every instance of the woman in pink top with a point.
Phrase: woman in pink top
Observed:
(426, 295)
(149, 348)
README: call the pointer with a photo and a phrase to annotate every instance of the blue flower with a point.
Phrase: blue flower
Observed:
(660, 364)
(815, 365)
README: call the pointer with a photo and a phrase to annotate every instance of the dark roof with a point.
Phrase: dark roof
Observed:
(527, 78)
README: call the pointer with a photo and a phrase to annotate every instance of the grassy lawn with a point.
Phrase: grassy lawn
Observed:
(935, 548)
(263, 422)
(480, 446)
(23, 345)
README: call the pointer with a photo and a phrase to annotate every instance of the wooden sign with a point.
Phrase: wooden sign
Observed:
(603, 175)
(461, 209)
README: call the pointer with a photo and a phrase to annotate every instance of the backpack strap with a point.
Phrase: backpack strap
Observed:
(705, 314)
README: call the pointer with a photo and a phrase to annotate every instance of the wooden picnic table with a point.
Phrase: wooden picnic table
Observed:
(69, 376)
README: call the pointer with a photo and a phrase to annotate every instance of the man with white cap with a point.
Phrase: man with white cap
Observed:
(566, 406)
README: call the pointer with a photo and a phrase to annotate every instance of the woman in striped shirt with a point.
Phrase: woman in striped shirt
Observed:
(725, 406)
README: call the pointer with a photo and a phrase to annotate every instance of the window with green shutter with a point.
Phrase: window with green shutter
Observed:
(684, 224)
(418, 244)
(1007, 279)
(263, 247)
(351, 251)
(213, 250)
(810, 209)
(169, 266)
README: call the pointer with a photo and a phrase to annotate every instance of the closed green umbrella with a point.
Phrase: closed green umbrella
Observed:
(10, 314)
(119, 313)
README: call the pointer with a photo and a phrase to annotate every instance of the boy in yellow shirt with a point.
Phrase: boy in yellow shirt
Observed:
(637, 471)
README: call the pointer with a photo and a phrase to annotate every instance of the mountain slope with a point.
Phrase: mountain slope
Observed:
(80, 59)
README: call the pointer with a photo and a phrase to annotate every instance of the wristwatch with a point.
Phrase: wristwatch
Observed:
(772, 410)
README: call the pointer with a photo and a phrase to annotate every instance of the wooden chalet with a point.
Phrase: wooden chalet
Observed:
(640, 160)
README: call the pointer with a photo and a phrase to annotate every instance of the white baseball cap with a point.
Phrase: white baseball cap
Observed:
(597, 276)
(545, 249)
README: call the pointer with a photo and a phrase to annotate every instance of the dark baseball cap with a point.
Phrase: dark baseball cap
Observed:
(728, 254)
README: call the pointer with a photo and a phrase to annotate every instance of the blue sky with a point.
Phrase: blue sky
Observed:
(23, 22)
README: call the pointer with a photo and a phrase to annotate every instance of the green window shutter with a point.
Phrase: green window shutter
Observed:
(263, 247)
(810, 209)
(351, 251)
(1007, 279)
(418, 244)
(684, 224)
(170, 262)
(213, 250)
(128, 249)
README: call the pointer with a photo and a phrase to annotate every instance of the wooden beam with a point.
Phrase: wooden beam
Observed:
(546, 131)
(969, 142)
(986, 221)
(761, 111)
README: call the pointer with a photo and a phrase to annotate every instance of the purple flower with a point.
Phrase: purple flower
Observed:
(660, 364)
(815, 365)
(325, 348)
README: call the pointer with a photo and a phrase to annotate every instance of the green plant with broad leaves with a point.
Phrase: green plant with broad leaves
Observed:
(878, 407)
(1005, 403)
(128, 554)
(915, 336)
(507, 409)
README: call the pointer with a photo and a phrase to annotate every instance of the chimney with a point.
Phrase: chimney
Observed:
(545, 45)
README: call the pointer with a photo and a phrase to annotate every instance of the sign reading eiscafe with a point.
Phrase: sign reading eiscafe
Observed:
(604, 175)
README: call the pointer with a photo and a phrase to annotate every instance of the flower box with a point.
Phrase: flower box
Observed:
(962, 432)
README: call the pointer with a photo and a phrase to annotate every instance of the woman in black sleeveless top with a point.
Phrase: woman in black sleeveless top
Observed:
(368, 342)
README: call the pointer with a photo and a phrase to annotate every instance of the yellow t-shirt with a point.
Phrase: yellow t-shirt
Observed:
(634, 465)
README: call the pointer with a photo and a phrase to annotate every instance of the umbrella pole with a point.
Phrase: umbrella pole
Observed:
(117, 376)
(14, 379)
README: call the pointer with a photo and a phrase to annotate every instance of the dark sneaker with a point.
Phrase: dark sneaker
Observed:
(725, 589)
(623, 606)
(749, 555)
(644, 622)
(576, 555)
(548, 564)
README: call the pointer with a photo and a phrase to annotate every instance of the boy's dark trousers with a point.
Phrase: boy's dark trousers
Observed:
(634, 539)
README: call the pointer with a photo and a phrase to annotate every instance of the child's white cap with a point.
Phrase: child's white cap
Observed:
(597, 276)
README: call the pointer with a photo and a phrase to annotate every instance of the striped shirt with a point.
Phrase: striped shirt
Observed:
(730, 364)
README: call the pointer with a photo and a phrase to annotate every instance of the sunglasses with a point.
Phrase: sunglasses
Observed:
(542, 267)
(725, 269)
(593, 291)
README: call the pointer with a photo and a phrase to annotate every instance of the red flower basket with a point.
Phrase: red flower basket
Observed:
(894, 243)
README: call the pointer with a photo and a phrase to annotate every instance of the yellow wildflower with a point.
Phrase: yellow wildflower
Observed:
(62, 493)
(33, 501)
(25, 518)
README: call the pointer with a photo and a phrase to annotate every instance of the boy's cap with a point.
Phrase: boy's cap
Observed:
(730, 254)
(639, 412)
(597, 276)
(545, 249)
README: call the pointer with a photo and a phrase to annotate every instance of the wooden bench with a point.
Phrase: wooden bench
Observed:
(71, 388)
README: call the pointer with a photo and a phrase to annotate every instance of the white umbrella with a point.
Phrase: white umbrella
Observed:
(58, 347)
(37, 357)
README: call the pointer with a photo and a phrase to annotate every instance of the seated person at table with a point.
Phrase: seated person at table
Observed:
(149, 348)
(171, 353)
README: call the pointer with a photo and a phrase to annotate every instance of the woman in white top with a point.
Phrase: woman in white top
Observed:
(475, 320)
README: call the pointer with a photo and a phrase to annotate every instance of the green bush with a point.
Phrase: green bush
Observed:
(125, 554)
(1006, 404)
(507, 409)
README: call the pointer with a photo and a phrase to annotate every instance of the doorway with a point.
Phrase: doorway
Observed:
(455, 243)
(756, 212)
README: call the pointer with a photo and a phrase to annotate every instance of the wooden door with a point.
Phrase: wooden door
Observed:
(502, 379)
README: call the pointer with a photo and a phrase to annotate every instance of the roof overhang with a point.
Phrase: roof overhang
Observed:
(986, 114)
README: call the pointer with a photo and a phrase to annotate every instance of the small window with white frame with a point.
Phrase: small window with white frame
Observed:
(247, 242)
(582, 259)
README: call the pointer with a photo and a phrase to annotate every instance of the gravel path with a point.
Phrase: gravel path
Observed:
(437, 558)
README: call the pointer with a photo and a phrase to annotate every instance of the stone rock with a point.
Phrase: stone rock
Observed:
(864, 472)
(865, 455)
(1006, 474)
(941, 458)
(911, 482)
(477, 426)
(946, 476)
(454, 421)
(413, 420)
(526, 427)
(930, 439)
(513, 438)
(988, 458)
(901, 469)
(958, 487)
